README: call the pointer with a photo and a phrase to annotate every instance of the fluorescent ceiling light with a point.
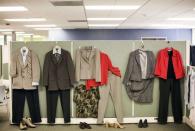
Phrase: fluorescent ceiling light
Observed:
(106, 19)
(47, 28)
(25, 34)
(103, 25)
(6, 33)
(6, 30)
(26, 19)
(112, 7)
(12, 8)
(37, 36)
(49, 25)
(182, 19)
(20, 32)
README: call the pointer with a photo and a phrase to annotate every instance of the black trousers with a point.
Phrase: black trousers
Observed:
(52, 98)
(192, 55)
(166, 87)
(18, 100)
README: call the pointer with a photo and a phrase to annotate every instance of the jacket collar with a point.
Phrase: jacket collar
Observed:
(85, 56)
(149, 61)
(20, 58)
(167, 49)
(137, 57)
(53, 57)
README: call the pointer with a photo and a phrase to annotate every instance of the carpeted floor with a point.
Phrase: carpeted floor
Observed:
(4, 126)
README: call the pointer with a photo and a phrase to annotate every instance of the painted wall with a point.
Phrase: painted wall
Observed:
(120, 34)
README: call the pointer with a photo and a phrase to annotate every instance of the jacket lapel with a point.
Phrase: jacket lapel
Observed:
(53, 57)
(84, 55)
(137, 58)
(149, 64)
(28, 58)
(20, 58)
(60, 57)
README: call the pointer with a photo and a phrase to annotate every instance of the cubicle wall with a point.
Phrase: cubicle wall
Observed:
(118, 52)
(0, 61)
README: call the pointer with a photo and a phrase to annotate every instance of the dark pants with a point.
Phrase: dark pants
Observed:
(192, 55)
(52, 98)
(18, 101)
(166, 87)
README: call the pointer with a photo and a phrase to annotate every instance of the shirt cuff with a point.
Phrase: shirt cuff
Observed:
(35, 83)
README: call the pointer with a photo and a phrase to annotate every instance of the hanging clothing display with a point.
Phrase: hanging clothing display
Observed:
(139, 76)
(113, 89)
(52, 100)
(161, 69)
(192, 55)
(94, 81)
(166, 87)
(88, 64)
(86, 101)
(25, 69)
(106, 65)
(25, 74)
(189, 96)
(169, 68)
(191, 116)
(18, 101)
(58, 71)
(58, 78)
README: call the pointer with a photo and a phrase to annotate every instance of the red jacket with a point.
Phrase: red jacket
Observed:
(162, 64)
(106, 66)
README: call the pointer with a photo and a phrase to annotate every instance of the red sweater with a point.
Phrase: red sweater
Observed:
(161, 68)
(106, 66)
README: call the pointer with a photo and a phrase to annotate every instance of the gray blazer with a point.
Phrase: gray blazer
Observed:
(87, 64)
(58, 75)
(139, 89)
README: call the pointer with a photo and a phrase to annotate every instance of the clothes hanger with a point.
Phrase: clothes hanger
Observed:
(87, 47)
(169, 46)
(141, 46)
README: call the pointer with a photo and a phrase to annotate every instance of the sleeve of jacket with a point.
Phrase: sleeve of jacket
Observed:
(13, 67)
(46, 71)
(98, 67)
(129, 69)
(181, 63)
(77, 65)
(35, 69)
(114, 70)
(153, 64)
(71, 71)
(157, 66)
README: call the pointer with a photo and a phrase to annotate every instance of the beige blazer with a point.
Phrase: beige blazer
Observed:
(24, 75)
(88, 64)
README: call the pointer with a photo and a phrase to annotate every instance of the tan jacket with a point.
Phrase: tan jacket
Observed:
(88, 64)
(21, 78)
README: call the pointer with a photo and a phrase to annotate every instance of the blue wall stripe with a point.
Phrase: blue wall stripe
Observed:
(120, 34)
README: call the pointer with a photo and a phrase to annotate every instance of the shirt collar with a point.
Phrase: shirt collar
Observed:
(24, 53)
(174, 51)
